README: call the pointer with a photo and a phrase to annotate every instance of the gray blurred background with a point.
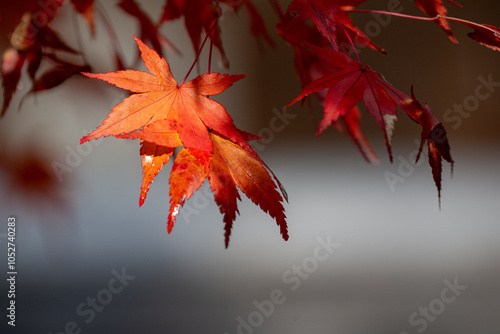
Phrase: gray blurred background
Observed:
(396, 253)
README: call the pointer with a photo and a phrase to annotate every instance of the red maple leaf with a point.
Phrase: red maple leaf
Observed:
(202, 15)
(166, 115)
(330, 19)
(434, 134)
(354, 83)
(311, 67)
(295, 30)
(348, 86)
(484, 34)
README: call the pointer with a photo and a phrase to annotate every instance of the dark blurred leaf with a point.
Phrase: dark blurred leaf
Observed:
(12, 64)
(149, 31)
(57, 75)
(86, 8)
(198, 15)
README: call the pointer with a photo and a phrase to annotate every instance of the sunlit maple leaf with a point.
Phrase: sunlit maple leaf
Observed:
(154, 157)
(229, 168)
(159, 97)
(187, 176)
(163, 133)
(166, 115)
(158, 143)
(232, 165)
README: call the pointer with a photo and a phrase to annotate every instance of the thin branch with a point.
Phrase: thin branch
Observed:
(209, 34)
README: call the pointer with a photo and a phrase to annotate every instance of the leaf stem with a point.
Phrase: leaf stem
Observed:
(352, 43)
(422, 18)
(433, 18)
(209, 34)
(210, 55)
(115, 44)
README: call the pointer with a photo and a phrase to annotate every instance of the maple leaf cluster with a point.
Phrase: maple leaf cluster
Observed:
(33, 41)
(170, 119)
(182, 122)
(319, 30)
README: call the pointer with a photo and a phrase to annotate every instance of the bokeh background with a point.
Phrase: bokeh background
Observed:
(396, 248)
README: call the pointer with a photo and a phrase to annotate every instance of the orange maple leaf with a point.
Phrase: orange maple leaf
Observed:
(165, 115)
(230, 165)
(154, 157)
(158, 96)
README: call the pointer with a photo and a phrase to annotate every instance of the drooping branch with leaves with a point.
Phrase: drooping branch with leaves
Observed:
(181, 121)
